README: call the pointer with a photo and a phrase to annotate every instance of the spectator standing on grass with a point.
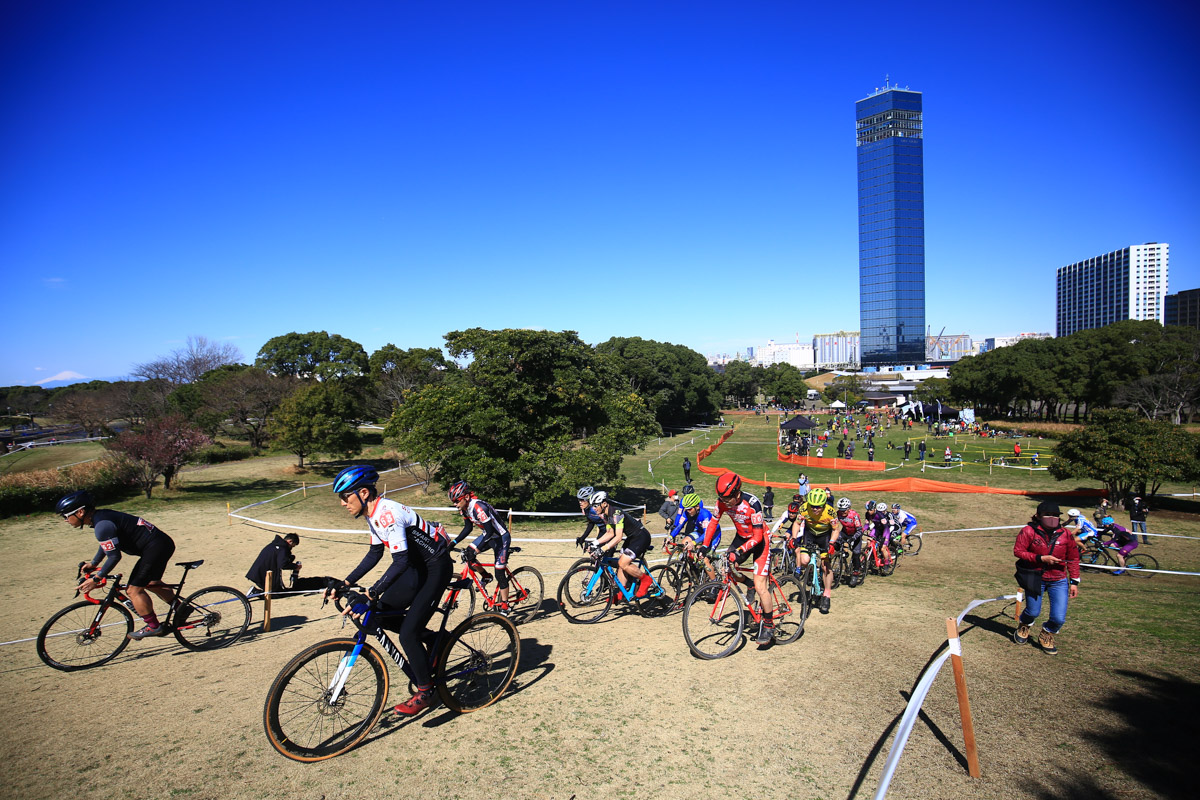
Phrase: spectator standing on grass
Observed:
(921, 450)
(947, 456)
(841, 449)
(907, 449)
(1103, 510)
(668, 510)
(1017, 453)
(687, 470)
(1048, 561)
(870, 452)
(850, 451)
(1137, 518)
(768, 501)
(802, 486)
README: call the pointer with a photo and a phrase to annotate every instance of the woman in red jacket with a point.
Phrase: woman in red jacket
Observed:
(1045, 545)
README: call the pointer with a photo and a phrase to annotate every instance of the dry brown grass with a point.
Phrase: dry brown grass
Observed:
(1053, 430)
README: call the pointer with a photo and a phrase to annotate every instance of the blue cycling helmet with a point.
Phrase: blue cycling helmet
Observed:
(72, 502)
(1107, 521)
(351, 479)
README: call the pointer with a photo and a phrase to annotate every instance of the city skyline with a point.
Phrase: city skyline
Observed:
(391, 173)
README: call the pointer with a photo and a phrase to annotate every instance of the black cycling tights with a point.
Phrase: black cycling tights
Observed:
(419, 589)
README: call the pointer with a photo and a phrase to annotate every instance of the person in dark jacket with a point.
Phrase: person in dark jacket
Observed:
(1137, 518)
(1045, 545)
(275, 558)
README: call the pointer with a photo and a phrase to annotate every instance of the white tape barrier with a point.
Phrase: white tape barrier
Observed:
(30, 445)
(913, 710)
(305, 488)
(1135, 569)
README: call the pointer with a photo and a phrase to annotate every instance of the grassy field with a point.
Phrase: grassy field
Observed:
(58, 455)
(621, 709)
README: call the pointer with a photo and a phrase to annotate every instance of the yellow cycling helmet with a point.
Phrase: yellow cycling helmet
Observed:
(690, 500)
(817, 498)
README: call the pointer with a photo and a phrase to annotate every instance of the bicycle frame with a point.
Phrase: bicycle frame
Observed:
(489, 600)
(608, 566)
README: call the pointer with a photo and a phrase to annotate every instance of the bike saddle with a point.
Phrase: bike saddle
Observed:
(189, 564)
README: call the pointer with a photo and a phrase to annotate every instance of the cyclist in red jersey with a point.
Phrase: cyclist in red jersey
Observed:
(750, 536)
(852, 533)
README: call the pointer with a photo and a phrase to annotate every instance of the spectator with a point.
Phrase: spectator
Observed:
(274, 559)
(870, 452)
(921, 450)
(1137, 518)
(841, 449)
(947, 456)
(1017, 453)
(768, 501)
(850, 451)
(668, 510)
(687, 470)
(820, 452)
(907, 450)
(1047, 563)
(802, 486)
(1103, 510)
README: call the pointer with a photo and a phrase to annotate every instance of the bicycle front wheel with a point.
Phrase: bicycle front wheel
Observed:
(459, 606)
(212, 618)
(305, 721)
(478, 662)
(791, 610)
(713, 620)
(585, 596)
(1137, 563)
(659, 605)
(525, 594)
(69, 642)
(914, 544)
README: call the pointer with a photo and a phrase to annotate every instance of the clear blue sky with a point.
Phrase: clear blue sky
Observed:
(678, 171)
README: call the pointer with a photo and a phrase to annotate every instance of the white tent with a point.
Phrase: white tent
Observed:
(837, 404)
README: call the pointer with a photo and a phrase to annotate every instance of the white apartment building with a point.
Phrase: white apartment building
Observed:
(798, 355)
(1130, 283)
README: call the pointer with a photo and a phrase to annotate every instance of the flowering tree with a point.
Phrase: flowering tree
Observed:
(159, 448)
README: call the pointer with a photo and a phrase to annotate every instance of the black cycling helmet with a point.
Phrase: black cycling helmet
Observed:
(351, 479)
(72, 502)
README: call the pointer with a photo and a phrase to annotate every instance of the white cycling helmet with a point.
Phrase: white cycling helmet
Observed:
(1074, 512)
(585, 493)
(881, 504)
(843, 504)
(598, 497)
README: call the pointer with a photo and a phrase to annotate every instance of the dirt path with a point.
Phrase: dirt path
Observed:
(618, 709)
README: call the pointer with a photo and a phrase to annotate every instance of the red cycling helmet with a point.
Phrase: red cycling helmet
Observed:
(459, 490)
(729, 485)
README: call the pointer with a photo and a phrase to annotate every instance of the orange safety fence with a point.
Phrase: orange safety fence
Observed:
(895, 484)
(831, 463)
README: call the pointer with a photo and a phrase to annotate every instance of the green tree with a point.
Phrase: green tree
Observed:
(532, 416)
(315, 354)
(931, 390)
(675, 381)
(785, 383)
(396, 372)
(316, 418)
(246, 397)
(1124, 450)
(740, 381)
(847, 388)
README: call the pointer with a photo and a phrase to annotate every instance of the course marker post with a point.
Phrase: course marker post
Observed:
(267, 602)
(304, 487)
(964, 703)
(1020, 601)
(229, 513)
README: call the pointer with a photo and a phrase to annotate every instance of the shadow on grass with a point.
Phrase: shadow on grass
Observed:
(234, 487)
(1152, 745)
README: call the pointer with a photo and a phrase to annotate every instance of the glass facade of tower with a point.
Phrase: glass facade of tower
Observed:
(891, 228)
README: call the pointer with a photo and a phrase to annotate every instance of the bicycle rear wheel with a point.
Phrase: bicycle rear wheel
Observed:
(525, 594)
(914, 544)
(712, 626)
(478, 662)
(301, 719)
(1136, 563)
(791, 610)
(68, 642)
(211, 618)
(584, 596)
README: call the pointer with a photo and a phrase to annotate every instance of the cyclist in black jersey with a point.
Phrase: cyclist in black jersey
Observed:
(494, 536)
(120, 533)
(634, 546)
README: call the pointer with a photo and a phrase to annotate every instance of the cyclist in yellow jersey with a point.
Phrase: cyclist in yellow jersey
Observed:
(815, 532)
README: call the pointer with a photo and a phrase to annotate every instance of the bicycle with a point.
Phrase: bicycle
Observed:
(588, 590)
(689, 567)
(872, 562)
(525, 592)
(714, 615)
(330, 696)
(76, 637)
(913, 547)
(843, 565)
(1097, 555)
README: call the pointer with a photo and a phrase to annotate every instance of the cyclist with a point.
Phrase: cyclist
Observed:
(494, 536)
(785, 524)
(749, 538)
(816, 532)
(634, 546)
(584, 495)
(691, 522)
(118, 533)
(852, 533)
(1121, 541)
(906, 523)
(1084, 531)
(882, 523)
(414, 581)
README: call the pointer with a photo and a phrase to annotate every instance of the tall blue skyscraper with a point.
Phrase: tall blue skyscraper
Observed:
(891, 228)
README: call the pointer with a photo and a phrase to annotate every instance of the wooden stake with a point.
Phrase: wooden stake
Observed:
(1020, 600)
(964, 703)
(267, 602)
(229, 513)
(304, 488)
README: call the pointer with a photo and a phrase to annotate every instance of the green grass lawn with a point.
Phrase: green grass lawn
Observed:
(49, 457)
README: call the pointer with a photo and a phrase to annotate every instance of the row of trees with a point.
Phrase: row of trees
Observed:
(741, 383)
(1132, 364)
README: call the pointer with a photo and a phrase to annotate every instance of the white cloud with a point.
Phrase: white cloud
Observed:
(54, 283)
(39, 369)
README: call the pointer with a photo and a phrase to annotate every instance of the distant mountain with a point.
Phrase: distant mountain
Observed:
(74, 377)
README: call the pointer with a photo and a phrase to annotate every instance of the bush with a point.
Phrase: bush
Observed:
(219, 454)
(106, 478)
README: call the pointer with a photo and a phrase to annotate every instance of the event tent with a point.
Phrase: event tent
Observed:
(837, 404)
(798, 423)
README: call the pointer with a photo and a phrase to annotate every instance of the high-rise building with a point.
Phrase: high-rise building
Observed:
(836, 349)
(1130, 283)
(891, 227)
(1182, 308)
